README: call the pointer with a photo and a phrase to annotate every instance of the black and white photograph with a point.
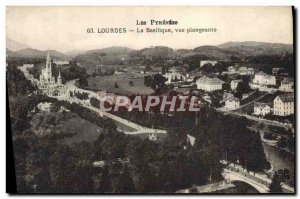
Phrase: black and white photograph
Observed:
(161, 100)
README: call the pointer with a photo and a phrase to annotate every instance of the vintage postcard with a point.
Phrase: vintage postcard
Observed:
(159, 100)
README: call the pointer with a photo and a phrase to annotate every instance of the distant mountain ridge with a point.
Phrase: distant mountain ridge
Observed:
(115, 54)
(14, 45)
(252, 43)
(252, 48)
(34, 53)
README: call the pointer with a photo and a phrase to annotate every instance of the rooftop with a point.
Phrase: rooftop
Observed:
(233, 99)
(260, 105)
(287, 97)
(207, 80)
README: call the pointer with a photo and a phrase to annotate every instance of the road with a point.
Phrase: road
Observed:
(260, 181)
(85, 103)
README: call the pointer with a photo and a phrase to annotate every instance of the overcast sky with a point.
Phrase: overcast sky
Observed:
(65, 28)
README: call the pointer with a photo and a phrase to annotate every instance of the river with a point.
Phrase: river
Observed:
(240, 187)
(280, 159)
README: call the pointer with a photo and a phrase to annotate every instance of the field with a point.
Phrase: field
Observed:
(108, 83)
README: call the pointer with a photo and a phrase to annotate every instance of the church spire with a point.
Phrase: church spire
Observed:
(59, 80)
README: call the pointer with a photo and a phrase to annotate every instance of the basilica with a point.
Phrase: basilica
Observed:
(48, 84)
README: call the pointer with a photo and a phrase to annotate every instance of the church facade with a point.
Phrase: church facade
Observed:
(48, 84)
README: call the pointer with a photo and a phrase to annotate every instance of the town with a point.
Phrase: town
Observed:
(258, 100)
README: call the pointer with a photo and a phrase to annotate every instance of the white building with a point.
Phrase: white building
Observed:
(232, 103)
(261, 109)
(152, 137)
(48, 84)
(284, 104)
(203, 62)
(262, 78)
(246, 71)
(173, 76)
(209, 84)
(119, 72)
(243, 71)
(287, 84)
(28, 65)
(227, 95)
(61, 62)
(276, 70)
(234, 83)
(44, 106)
(231, 70)
(250, 71)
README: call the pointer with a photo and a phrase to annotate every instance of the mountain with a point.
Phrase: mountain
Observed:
(34, 53)
(111, 55)
(10, 53)
(252, 48)
(74, 53)
(14, 45)
(157, 51)
(111, 51)
(56, 54)
(184, 52)
(214, 51)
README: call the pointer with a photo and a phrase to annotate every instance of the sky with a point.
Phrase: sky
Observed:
(65, 28)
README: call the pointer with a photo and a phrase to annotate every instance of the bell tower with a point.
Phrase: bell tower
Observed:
(48, 68)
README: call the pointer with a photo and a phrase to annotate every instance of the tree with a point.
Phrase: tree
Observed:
(105, 181)
(125, 183)
(275, 186)
(83, 81)
(243, 87)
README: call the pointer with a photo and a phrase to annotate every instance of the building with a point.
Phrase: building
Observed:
(232, 103)
(243, 71)
(276, 70)
(61, 62)
(284, 104)
(261, 109)
(203, 62)
(152, 137)
(173, 76)
(246, 71)
(227, 95)
(119, 72)
(231, 70)
(48, 84)
(44, 106)
(28, 65)
(262, 78)
(234, 83)
(287, 84)
(209, 84)
(250, 71)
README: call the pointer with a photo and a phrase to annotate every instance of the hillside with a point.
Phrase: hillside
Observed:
(10, 53)
(157, 51)
(34, 53)
(252, 48)
(213, 51)
(111, 55)
(14, 45)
